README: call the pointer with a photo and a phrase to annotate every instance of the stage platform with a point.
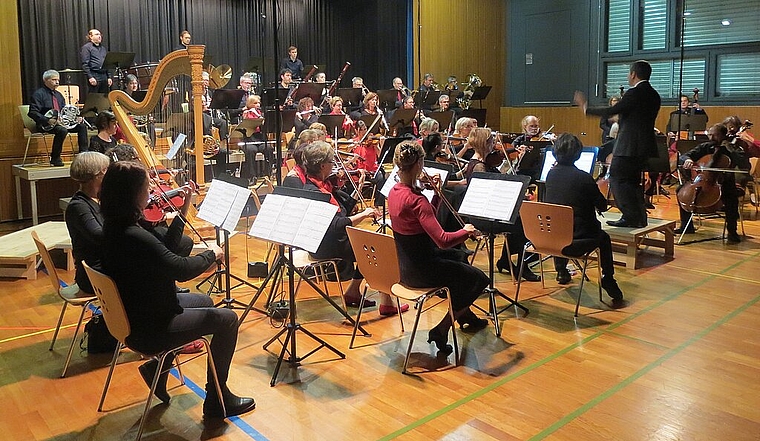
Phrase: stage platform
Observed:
(628, 243)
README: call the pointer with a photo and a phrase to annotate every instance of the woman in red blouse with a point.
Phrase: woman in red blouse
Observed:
(422, 243)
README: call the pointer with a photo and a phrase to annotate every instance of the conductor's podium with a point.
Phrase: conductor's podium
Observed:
(628, 243)
(18, 254)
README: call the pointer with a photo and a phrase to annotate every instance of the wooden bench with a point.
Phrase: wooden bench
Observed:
(18, 254)
(628, 240)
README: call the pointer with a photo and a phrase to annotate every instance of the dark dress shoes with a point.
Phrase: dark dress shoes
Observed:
(233, 404)
(626, 224)
(148, 371)
(563, 277)
(56, 162)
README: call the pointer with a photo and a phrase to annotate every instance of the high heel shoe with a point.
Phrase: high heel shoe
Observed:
(440, 340)
(503, 265)
(469, 322)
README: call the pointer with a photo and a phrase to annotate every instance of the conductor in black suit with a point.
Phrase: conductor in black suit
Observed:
(637, 111)
(567, 185)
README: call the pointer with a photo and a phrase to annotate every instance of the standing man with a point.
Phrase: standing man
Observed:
(43, 109)
(93, 54)
(184, 40)
(685, 108)
(637, 111)
(293, 63)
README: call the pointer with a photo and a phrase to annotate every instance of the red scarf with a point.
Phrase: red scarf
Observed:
(325, 187)
(300, 172)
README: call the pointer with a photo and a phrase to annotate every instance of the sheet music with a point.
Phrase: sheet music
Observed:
(491, 198)
(293, 221)
(432, 171)
(176, 145)
(223, 204)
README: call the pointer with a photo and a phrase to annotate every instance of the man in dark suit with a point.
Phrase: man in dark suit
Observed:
(566, 185)
(637, 111)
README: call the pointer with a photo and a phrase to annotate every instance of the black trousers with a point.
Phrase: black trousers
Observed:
(730, 197)
(60, 133)
(625, 183)
(579, 247)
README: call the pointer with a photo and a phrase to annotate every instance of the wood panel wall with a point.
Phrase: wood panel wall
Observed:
(460, 37)
(570, 119)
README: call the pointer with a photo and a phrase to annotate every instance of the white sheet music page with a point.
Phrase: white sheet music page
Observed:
(176, 145)
(293, 221)
(223, 204)
(432, 171)
(491, 198)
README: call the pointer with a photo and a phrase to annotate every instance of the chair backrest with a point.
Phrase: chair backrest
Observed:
(376, 257)
(549, 227)
(754, 170)
(110, 303)
(29, 123)
(45, 254)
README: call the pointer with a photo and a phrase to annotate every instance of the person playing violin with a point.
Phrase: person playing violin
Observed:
(422, 247)
(531, 128)
(739, 135)
(717, 146)
(368, 153)
(318, 161)
(566, 185)
(482, 142)
(144, 270)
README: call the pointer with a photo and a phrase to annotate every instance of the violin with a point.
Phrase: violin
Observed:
(164, 199)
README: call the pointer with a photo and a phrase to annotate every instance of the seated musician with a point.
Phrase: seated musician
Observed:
(462, 130)
(684, 108)
(44, 106)
(144, 270)
(433, 147)
(255, 143)
(401, 92)
(149, 121)
(286, 82)
(370, 105)
(483, 142)
(213, 119)
(336, 108)
(606, 122)
(408, 128)
(566, 185)
(306, 115)
(369, 153)
(739, 135)
(718, 146)
(531, 131)
(428, 126)
(296, 177)
(422, 247)
(106, 124)
(318, 160)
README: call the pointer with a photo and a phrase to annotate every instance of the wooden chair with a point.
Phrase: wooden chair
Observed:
(549, 229)
(118, 325)
(71, 295)
(377, 260)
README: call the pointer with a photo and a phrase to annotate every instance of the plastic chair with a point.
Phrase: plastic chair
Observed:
(549, 229)
(30, 125)
(71, 295)
(377, 260)
(118, 325)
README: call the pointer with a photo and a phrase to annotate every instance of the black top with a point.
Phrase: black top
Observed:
(85, 225)
(41, 102)
(637, 111)
(98, 145)
(145, 271)
(296, 67)
(566, 185)
(92, 60)
(737, 156)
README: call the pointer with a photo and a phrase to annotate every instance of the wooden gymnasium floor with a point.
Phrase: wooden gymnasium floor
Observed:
(680, 362)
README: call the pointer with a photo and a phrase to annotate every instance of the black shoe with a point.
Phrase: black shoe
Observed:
(689, 230)
(649, 205)
(148, 371)
(733, 238)
(469, 322)
(625, 224)
(563, 277)
(56, 162)
(527, 274)
(611, 287)
(233, 404)
(441, 341)
(502, 265)
(180, 290)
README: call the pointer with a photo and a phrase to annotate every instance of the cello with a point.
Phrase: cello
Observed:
(702, 195)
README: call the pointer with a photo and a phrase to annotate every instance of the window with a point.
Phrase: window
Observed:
(655, 22)
(619, 26)
(665, 77)
(737, 75)
(715, 22)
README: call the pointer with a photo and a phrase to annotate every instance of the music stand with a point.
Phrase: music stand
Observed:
(369, 119)
(222, 207)
(249, 125)
(492, 204)
(445, 119)
(118, 61)
(95, 103)
(426, 100)
(225, 99)
(352, 97)
(287, 120)
(688, 123)
(387, 98)
(585, 163)
(332, 122)
(312, 90)
(309, 214)
(532, 156)
(478, 114)
(402, 118)
(268, 97)
(479, 94)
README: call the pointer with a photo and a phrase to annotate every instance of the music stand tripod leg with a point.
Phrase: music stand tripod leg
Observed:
(492, 289)
(228, 301)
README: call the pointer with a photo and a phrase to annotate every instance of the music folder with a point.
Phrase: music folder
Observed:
(248, 126)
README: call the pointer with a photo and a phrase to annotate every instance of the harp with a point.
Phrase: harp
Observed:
(180, 62)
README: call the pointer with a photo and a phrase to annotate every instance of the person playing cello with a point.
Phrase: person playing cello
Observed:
(717, 147)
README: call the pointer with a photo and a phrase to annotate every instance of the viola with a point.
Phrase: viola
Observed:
(164, 199)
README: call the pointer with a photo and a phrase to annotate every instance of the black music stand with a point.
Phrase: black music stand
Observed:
(480, 93)
(265, 228)
(352, 97)
(387, 99)
(402, 118)
(681, 122)
(287, 120)
(478, 114)
(268, 96)
(426, 100)
(489, 210)
(369, 119)
(445, 119)
(332, 122)
(117, 61)
(223, 271)
(226, 99)
(312, 90)
(94, 104)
